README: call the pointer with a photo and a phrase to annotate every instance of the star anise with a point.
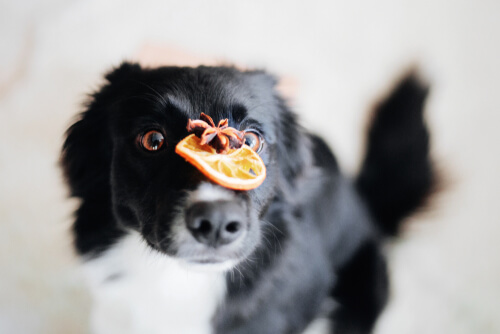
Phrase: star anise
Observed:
(220, 137)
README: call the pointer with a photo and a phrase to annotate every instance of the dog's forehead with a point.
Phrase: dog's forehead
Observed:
(221, 92)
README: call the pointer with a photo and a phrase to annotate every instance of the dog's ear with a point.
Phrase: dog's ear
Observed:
(85, 158)
(293, 146)
(126, 71)
(86, 163)
(262, 82)
(292, 143)
(86, 151)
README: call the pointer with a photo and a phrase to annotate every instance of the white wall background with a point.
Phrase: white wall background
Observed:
(445, 269)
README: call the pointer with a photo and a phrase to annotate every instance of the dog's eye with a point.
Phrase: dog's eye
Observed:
(152, 140)
(254, 140)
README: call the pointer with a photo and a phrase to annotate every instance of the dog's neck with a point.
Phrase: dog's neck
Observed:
(150, 292)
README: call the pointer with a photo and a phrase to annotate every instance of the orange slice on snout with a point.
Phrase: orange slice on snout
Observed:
(239, 169)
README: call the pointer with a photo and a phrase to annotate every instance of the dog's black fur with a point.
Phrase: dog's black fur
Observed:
(320, 233)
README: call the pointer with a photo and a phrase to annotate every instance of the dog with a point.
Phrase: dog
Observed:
(304, 245)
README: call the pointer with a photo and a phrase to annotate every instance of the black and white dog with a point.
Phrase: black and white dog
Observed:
(304, 245)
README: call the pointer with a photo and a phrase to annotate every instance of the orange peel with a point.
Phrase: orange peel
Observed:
(238, 169)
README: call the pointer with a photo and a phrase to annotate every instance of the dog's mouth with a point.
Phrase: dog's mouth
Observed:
(210, 264)
(211, 261)
(194, 255)
(203, 254)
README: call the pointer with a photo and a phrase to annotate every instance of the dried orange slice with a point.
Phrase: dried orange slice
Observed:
(239, 169)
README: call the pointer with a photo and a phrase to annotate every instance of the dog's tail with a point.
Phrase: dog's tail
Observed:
(397, 175)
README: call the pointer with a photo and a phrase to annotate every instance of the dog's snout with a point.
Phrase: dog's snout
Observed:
(216, 223)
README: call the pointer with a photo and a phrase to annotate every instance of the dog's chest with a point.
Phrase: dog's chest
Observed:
(139, 291)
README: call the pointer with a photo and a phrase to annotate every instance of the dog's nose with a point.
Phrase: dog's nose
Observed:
(216, 223)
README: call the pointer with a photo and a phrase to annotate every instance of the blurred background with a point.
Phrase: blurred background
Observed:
(335, 57)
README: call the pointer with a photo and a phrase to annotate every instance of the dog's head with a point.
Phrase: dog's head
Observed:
(120, 159)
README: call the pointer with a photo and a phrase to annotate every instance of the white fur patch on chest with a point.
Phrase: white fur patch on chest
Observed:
(137, 290)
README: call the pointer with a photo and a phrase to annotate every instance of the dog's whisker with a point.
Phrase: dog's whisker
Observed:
(242, 283)
(269, 224)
